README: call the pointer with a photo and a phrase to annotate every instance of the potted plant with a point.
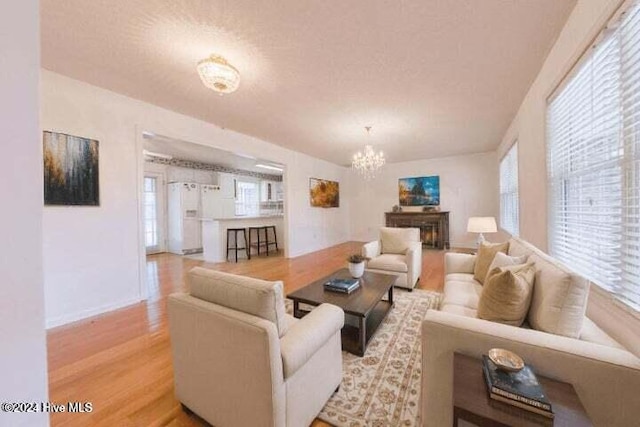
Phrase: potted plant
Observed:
(356, 265)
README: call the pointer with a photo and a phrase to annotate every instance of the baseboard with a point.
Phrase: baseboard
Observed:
(74, 317)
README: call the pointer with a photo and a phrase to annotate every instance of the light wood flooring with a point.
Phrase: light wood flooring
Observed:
(121, 361)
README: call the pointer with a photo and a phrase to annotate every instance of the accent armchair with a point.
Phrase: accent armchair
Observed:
(398, 252)
(240, 360)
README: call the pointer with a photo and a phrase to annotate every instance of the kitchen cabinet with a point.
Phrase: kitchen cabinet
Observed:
(267, 191)
(271, 191)
(227, 183)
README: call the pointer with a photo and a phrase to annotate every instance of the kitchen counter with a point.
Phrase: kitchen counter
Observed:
(214, 233)
(242, 217)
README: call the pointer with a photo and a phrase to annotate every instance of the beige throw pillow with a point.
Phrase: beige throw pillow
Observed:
(504, 260)
(506, 295)
(486, 253)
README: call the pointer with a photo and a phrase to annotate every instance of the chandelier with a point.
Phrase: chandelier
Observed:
(217, 74)
(368, 162)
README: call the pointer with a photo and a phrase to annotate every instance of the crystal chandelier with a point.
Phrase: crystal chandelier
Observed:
(217, 74)
(367, 163)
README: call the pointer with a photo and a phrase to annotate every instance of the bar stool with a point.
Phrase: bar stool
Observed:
(275, 237)
(235, 248)
(262, 237)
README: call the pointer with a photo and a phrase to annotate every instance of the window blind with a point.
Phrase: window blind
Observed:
(593, 163)
(509, 213)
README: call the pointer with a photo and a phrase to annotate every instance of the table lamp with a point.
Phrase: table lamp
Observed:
(480, 225)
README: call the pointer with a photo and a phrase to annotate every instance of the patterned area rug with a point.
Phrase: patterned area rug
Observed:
(383, 387)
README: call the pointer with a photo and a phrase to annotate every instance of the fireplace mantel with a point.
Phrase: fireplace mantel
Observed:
(434, 226)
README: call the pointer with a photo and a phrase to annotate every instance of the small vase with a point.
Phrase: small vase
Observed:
(356, 270)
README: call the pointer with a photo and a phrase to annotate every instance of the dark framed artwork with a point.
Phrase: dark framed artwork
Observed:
(419, 191)
(71, 170)
(324, 193)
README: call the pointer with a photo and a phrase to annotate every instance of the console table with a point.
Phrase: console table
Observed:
(434, 226)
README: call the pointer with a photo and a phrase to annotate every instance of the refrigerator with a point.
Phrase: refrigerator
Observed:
(184, 218)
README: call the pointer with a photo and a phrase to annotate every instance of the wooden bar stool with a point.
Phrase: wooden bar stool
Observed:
(235, 248)
(275, 237)
(262, 238)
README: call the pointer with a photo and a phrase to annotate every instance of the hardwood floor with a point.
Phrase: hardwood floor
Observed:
(121, 361)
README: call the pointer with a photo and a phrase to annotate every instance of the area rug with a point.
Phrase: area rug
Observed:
(382, 388)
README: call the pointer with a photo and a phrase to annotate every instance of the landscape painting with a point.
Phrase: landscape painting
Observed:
(70, 170)
(421, 191)
(324, 193)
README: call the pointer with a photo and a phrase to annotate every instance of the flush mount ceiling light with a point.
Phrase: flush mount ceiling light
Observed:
(368, 162)
(218, 75)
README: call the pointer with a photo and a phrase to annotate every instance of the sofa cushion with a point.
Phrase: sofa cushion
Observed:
(396, 240)
(461, 277)
(519, 247)
(593, 333)
(506, 294)
(503, 260)
(559, 299)
(462, 293)
(486, 253)
(252, 296)
(459, 310)
(389, 262)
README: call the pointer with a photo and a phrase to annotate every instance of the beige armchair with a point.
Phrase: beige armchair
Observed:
(398, 252)
(240, 360)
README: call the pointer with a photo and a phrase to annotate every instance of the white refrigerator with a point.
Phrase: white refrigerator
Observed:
(185, 230)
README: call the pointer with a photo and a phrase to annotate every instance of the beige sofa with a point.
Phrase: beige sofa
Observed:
(240, 360)
(397, 252)
(560, 341)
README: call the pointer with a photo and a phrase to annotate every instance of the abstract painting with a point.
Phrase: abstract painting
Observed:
(420, 191)
(70, 170)
(323, 193)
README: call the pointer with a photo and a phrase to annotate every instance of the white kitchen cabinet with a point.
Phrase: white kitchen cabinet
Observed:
(268, 191)
(227, 183)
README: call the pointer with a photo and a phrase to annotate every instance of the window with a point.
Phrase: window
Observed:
(593, 162)
(246, 198)
(509, 216)
(150, 212)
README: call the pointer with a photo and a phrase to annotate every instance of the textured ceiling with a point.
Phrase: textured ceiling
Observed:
(433, 77)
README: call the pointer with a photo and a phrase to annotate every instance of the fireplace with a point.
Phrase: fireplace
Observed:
(434, 226)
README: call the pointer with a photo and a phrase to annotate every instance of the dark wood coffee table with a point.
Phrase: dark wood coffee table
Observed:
(365, 304)
(472, 403)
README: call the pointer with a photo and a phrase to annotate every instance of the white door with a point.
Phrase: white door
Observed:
(154, 213)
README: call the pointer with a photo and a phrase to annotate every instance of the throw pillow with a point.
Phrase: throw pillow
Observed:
(504, 260)
(506, 295)
(486, 253)
(559, 299)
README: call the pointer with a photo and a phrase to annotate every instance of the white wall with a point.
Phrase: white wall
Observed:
(93, 256)
(23, 354)
(468, 187)
(529, 127)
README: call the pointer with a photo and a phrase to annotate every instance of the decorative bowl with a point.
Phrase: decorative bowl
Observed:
(506, 360)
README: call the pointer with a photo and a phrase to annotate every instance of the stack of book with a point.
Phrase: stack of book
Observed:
(520, 388)
(346, 286)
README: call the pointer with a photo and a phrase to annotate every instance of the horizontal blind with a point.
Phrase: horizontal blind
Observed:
(509, 213)
(592, 161)
(629, 287)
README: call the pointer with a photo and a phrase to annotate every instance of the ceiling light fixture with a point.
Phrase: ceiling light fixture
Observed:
(218, 75)
(270, 167)
(368, 162)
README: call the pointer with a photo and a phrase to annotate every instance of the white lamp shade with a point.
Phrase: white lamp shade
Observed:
(482, 224)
